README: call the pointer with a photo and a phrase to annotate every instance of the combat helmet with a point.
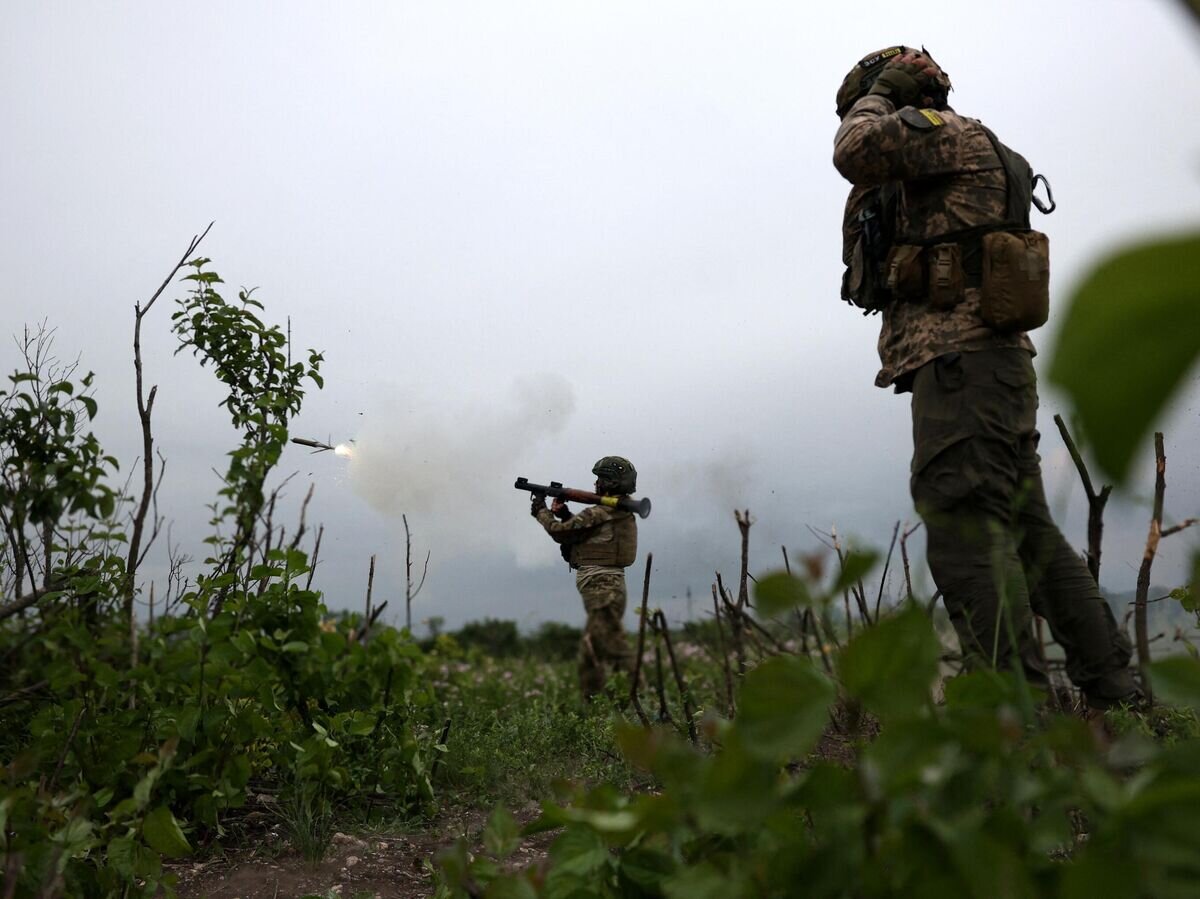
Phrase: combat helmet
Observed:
(616, 475)
(858, 80)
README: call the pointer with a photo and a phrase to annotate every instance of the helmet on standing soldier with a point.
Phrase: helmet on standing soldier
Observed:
(615, 475)
(860, 79)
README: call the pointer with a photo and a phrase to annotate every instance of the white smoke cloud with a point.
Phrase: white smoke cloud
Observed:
(449, 467)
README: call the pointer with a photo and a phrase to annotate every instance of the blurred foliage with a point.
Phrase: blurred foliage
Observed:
(1130, 335)
(971, 796)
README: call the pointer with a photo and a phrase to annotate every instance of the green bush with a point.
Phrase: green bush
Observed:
(119, 752)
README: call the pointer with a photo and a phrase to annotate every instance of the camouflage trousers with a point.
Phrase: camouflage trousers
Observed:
(993, 549)
(603, 648)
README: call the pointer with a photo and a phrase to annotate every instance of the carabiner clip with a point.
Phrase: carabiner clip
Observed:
(1042, 207)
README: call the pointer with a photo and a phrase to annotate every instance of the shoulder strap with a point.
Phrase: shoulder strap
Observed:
(1018, 175)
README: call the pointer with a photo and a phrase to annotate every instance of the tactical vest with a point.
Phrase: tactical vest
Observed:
(1014, 263)
(619, 552)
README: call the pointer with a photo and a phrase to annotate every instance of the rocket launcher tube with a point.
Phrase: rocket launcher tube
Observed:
(640, 507)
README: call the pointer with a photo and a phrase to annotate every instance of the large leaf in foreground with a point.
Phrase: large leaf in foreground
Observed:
(890, 667)
(783, 707)
(1131, 333)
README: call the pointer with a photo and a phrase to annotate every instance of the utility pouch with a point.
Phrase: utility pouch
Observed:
(1015, 289)
(947, 282)
(904, 273)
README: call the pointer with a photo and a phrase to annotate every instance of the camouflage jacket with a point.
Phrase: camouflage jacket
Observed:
(596, 535)
(950, 179)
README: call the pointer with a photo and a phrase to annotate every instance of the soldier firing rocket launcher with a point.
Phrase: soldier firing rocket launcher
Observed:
(640, 507)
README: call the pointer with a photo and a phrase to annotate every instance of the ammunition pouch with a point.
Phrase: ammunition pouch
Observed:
(904, 271)
(934, 273)
(1015, 280)
(947, 281)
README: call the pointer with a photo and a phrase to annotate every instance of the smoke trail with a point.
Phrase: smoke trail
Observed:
(450, 468)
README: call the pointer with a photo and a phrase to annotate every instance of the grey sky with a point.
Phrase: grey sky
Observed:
(621, 214)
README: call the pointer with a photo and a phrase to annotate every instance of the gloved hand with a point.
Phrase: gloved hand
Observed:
(908, 80)
(537, 503)
(560, 510)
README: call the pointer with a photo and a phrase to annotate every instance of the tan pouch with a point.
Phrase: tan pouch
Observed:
(947, 283)
(903, 271)
(1015, 293)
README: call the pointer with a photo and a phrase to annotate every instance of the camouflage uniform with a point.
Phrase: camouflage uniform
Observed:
(604, 535)
(976, 478)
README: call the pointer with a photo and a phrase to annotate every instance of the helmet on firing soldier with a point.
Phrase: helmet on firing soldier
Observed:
(615, 475)
(860, 79)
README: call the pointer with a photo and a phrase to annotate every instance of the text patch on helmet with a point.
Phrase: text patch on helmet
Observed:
(876, 58)
(921, 119)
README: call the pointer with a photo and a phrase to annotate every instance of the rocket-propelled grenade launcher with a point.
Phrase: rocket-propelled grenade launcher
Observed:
(639, 507)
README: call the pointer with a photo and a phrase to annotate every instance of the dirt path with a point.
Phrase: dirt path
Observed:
(366, 867)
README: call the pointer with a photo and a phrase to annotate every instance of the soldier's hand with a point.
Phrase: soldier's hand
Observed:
(537, 503)
(908, 80)
(558, 506)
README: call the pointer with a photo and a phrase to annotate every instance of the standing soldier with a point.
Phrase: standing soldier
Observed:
(599, 542)
(937, 239)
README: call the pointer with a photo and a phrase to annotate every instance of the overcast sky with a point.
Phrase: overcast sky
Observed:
(527, 235)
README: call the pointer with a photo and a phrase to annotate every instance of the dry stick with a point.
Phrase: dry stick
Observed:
(1182, 526)
(664, 713)
(1143, 578)
(860, 597)
(312, 565)
(23, 602)
(303, 527)
(1096, 501)
(145, 407)
(732, 708)
(685, 694)
(743, 522)
(637, 662)
(736, 627)
(800, 622)
(886, 563)
(904, 558)
(361, 632)
(409, 593)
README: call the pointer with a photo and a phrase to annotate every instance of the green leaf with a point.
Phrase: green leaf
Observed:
(856, 565)
(891, 666)
(705, 881)
(120, 854)
(161, 831)
(779, 592)
(502, 835)
(1176, 681)
(578, 851)
(783, 707)
(1130, 335)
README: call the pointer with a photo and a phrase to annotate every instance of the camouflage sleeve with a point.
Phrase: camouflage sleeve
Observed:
(876, 144)
(575, 527)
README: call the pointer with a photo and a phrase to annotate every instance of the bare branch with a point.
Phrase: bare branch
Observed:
(1143, 578)
(1096, 501)
(145, 407)
(635, 680)
(1182, 526)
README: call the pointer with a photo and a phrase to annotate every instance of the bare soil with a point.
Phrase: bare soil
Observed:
(378, 866)
(398, 866)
